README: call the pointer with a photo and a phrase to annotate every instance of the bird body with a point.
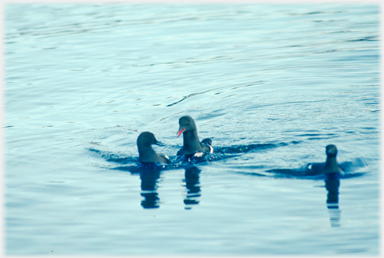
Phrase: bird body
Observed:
(146, 153)
(330, 166)
(191, 143)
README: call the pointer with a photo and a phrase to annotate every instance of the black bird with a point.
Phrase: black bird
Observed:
(192, 145)
(330, 166)
(146, 153)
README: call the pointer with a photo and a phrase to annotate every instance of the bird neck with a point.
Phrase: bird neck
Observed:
(331, 165)
(191, 138)
(146, 150)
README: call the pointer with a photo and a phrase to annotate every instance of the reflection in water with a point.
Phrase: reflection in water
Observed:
(332, 184)
(150, 174)
(192, 183)
(149, 188)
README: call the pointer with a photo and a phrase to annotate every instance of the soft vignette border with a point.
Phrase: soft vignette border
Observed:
(2, 87)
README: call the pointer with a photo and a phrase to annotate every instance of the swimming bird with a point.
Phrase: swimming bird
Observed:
(330, 166)
(146, 153)
(192, 145)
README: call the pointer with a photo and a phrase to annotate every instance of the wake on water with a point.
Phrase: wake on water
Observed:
(131, 164)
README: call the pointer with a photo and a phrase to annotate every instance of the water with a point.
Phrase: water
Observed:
(271, 85)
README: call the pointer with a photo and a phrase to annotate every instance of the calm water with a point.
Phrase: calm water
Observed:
(271, 85)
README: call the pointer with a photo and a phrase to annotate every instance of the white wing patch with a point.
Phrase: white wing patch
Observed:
(198, 154)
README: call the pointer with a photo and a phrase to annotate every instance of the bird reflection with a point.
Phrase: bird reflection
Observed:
(150, 175)
(149, 180)
(332, 184)
(192, 183)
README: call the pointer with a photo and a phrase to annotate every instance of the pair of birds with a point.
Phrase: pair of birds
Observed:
(193, 147)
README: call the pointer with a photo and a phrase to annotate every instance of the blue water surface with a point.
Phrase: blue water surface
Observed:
(270, 84)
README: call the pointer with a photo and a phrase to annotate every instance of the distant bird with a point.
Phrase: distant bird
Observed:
(330, 166)
(146, 152)
(192, 145)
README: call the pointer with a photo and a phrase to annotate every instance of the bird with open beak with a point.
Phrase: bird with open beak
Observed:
(191, 143)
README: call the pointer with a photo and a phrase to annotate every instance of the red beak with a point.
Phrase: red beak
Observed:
(180, 132)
